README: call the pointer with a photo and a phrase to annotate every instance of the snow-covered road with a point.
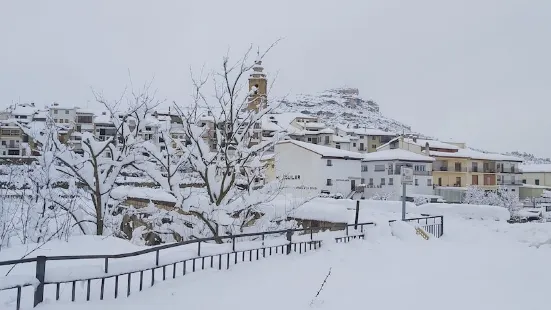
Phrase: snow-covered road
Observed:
(495, 271)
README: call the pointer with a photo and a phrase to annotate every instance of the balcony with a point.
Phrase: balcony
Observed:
(450, 169)
(510, 170)
(489, 170)
(510, 182)
(420, 173)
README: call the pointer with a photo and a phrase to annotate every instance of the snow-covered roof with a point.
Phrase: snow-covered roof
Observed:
(472, 154)
(314, 125)
(327, 130)
(536, 168)
(432, 144)
(366, 131)
(102, 119)
(324, 151)
(24, 110)
(284, 119)
(268, 125)
(339, 139)
(124, 191)
(396, 154)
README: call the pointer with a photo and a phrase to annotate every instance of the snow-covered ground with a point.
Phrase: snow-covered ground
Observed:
(477, 264)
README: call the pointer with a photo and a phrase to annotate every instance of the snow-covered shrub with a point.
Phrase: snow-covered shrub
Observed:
(501, 197)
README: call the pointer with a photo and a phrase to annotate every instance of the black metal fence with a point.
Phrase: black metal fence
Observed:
(433, 225)
(113, 284)
(141, 274)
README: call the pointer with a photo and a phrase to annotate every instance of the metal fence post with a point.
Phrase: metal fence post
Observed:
(357, 215)
(442, 229)
(40, 276)
(199, 248)
(233, 243)
(289, 237)
(157, 257)
(106, 265)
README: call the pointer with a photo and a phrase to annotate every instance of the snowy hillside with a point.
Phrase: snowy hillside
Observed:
(530, 158)
(343, 106)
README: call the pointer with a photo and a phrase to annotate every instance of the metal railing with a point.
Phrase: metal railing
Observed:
(146, 275)
(129, 281)
(433, 225)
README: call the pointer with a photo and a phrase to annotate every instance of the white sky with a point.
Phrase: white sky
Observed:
(471, 70)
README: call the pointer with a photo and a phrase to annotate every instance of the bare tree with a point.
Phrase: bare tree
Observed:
(224, 147)
(95, 169)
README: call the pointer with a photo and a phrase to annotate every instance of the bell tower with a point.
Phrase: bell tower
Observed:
(258, 87)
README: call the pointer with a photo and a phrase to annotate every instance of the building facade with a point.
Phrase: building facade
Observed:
(381, 173)
(309, 169)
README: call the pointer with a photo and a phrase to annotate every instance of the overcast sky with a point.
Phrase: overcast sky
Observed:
(472, 70)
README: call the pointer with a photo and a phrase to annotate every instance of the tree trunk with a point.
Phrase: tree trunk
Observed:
(99, 217)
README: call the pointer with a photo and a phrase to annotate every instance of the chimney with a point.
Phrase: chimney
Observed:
(414, 139)
(103, 113)
(427, 149)
(32, 104)
(55, 104)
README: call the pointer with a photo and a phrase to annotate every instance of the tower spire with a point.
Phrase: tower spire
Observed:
(257, 85)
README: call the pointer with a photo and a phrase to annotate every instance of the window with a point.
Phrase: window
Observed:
(55, 111)
(458, 181)
(361, 137)
(390, 181)
(537, 182)
(524, 181)
(364, 167)
(371, 181)
(373, 146)
(361, 146)
(379, 168)
(338, 146)
(66, 111)
(416, 182)
(362, 181)
(354, 144)
(326, 140)
(382, 181)
(315, 140)
(3, 142)
(329, 182)
(429, 182)
(373, 138)
(419, 168)
(329, 162)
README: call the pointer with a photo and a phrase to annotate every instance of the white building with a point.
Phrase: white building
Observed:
(381, 173)
(536, 174)
(313, 169)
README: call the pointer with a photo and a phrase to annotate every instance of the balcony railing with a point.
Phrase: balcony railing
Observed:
(450, 169)
(509, 170)
(398, 172)
(509, 182)
(489, 170)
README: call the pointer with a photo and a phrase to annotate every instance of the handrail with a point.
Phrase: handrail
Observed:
(161, 247)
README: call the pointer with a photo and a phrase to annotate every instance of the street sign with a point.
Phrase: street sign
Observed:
(407, 176)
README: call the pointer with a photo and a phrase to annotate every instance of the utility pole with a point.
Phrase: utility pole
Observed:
(407, 179)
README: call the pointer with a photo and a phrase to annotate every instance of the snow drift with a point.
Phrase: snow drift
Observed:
(465, 211)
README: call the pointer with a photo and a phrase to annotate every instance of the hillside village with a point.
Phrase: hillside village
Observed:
(309, 158)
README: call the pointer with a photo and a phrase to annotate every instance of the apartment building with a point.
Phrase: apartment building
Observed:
(381, 173)
(456, 167)
(366, 140)
(13, 141)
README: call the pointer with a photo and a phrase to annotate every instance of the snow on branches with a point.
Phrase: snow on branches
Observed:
(500, 197)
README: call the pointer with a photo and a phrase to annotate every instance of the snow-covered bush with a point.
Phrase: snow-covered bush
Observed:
(501, 197)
